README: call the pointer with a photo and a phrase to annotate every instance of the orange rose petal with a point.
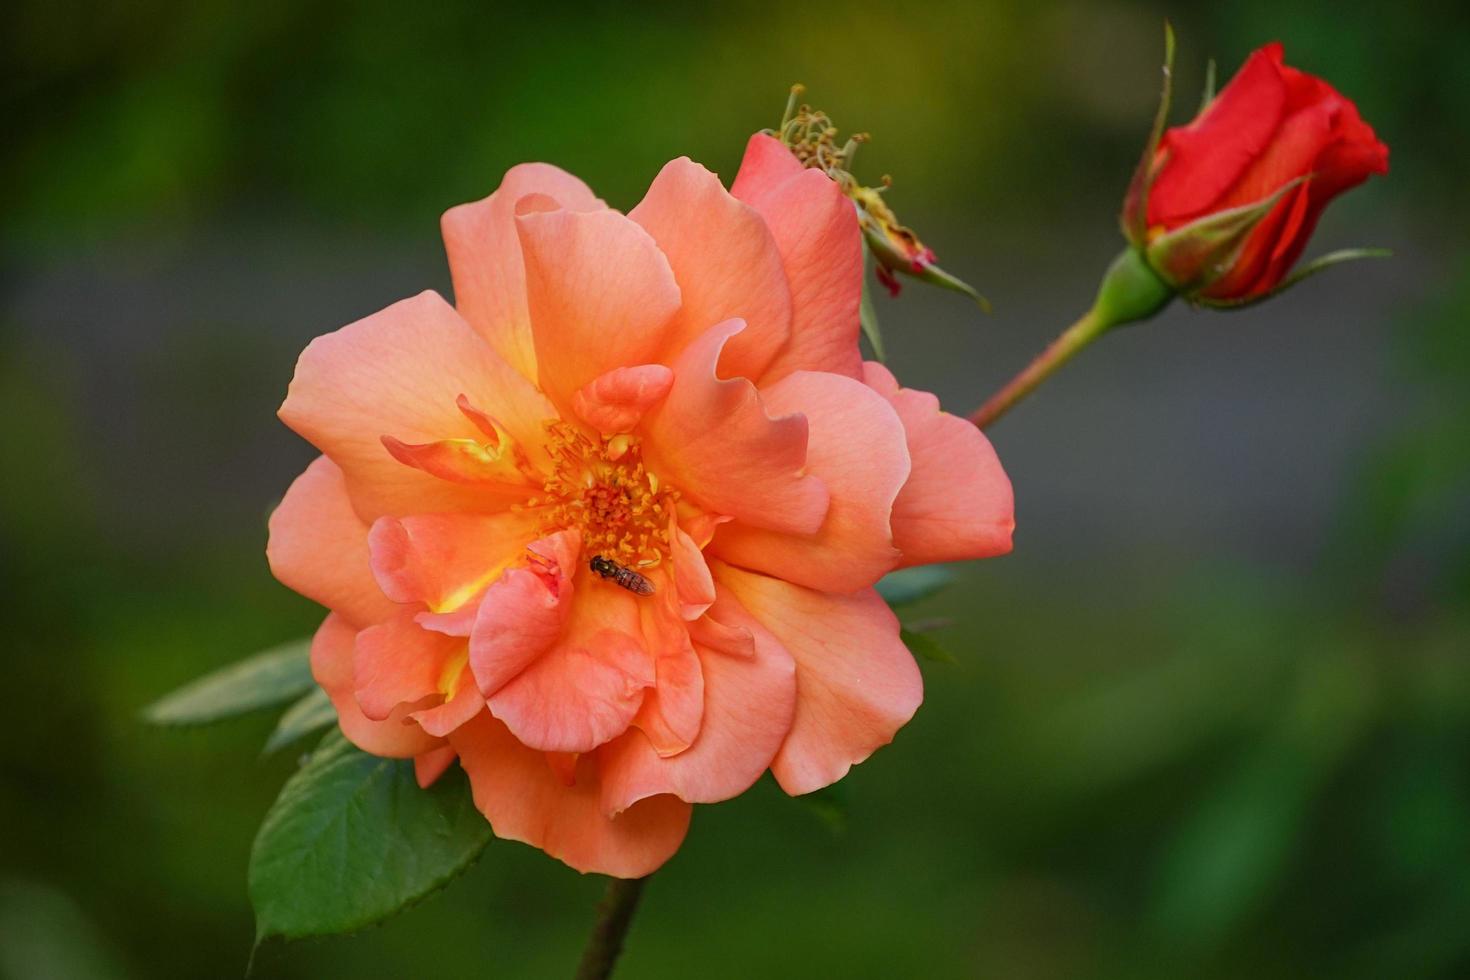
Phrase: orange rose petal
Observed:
(858, 450)
(331, 666)
(429, 766)
(713, 438)
(524, 612)
(673, 709)
(617, 400)
(587, 687)
(749, 705)
(319, 547)
(816, 231)
(600, 293)
(399, 373)
(444, 560)
(957, 503)
(525, 800)
(485, 261)
(399, 662)
(725, 261)
(856, 683)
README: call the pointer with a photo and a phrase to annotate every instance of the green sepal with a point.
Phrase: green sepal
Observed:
(1305, 272)
(935, 276)
(1208, 95)
(868, 316)
(1133, 219)
(909, 585)
(311, 714)
(895, 260)
(273, 677)
(352, 839)
(1131, 290)
(1193, 256)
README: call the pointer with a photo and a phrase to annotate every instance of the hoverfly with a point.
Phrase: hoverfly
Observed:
(622, 575)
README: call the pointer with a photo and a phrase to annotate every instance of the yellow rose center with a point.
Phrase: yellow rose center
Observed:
(600, 486)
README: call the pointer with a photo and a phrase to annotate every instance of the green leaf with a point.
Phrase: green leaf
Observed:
(273, 677)
(912, 584)
(352, 840)
(1232, 853)
(311, 714)
(926, 647)
(868, 316)
(44, 933)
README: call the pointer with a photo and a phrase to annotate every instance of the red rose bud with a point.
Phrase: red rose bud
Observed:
(895, 248)
(1223, 207)
(1219, 211)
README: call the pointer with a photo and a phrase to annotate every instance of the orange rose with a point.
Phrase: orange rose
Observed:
(607, 530)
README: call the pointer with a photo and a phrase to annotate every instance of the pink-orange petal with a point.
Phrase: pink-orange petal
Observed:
(524, 612)
(957, 502)
(399, 373)
(485, 257)
(693, 585)
(444, 560)
(615, 402)
(600, 293)
(463, 703)
(714, 440)
(725, 261)
(319, 547)
(749, 706)
(398, 663)
(525, 800)
(456, 622)
(586, 689)
(331, 666)
(493, 472)
(429, 766)
(673, 708)
(816, 230)
(857, 449)
(856, 683)
(767, 165)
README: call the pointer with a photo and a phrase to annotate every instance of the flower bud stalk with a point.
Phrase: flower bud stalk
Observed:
(1130, 291)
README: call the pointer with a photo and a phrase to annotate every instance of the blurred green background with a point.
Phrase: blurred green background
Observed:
(1211, 719)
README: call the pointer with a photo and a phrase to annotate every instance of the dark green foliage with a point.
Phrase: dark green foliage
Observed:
(352, 839)
(262, 681)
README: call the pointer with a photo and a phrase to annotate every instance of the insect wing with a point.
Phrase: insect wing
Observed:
(634, 582)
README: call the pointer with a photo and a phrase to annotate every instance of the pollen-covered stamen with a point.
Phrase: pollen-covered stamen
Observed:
(600, 487)
(812, 138)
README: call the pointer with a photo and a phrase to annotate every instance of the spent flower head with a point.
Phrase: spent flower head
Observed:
(816, 142)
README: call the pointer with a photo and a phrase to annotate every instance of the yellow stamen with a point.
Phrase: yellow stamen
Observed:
(602, 488)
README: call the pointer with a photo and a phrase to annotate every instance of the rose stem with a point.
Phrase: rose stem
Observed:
(614, 915)
(1087, 329)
